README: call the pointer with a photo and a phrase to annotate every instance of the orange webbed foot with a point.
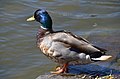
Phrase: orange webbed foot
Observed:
(60, 70)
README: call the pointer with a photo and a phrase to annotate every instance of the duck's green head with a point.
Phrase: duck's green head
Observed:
(42, 17)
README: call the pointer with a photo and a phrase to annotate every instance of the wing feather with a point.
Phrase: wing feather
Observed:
(74, 41)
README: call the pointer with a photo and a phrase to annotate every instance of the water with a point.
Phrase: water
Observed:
(98, 21)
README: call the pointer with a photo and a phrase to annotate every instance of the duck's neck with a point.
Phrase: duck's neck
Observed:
(42, 32)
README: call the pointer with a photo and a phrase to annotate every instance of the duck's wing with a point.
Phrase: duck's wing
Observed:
(77, 42)
(81, 38)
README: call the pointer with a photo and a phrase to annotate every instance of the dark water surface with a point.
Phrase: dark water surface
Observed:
(96, 20)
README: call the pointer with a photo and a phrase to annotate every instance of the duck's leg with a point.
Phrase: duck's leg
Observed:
(61, 70)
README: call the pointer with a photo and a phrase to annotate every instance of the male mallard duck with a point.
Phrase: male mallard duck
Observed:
(64, 47)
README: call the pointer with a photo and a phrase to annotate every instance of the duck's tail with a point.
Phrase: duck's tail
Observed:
(102, 52)
(102, 58)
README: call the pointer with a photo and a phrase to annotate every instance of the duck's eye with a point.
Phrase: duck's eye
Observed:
(37, 17)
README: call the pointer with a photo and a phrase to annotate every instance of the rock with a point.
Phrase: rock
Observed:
(90, 71)
(65, 76)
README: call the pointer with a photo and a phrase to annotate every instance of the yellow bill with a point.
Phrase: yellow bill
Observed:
(31, 18)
